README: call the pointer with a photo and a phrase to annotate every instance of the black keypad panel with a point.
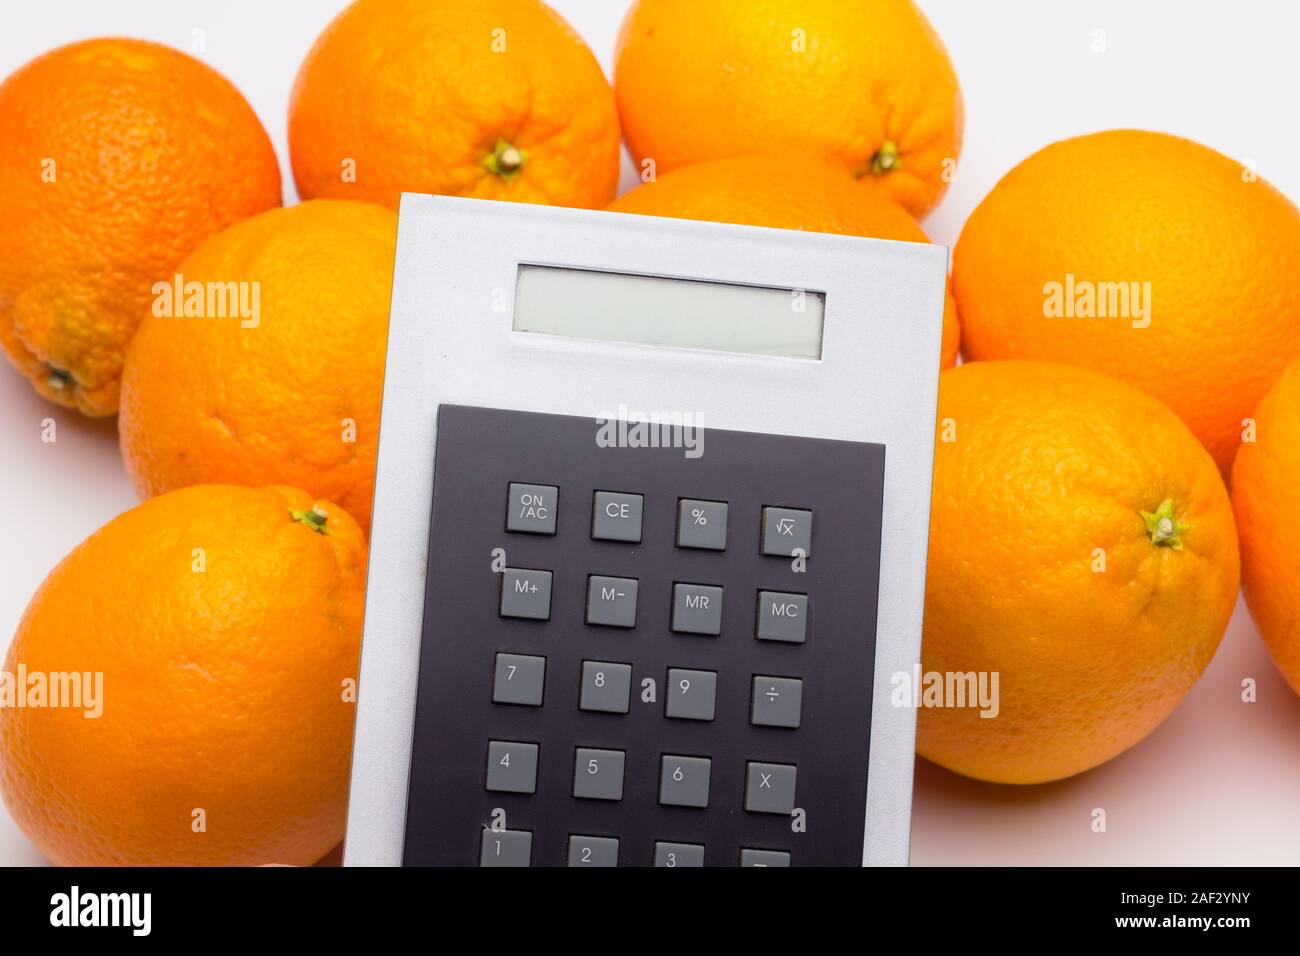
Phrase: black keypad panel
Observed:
(644, 656)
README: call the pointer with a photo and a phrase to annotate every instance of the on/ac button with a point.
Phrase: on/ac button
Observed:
(530, 509)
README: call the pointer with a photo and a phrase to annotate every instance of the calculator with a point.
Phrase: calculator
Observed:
(648, 549)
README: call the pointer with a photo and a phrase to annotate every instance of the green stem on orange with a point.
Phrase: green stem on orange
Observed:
(506, 160)
(59, 378)
(313, 517)
(1164, 530)
(886, 159)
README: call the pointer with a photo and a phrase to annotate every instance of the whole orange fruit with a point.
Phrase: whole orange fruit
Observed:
(1145, 256)
(1082, 549)
(866, 86)
(289, 394)
(783, 193)
(1265, 489)
(496, 99)
(117, 158)
(211, 638)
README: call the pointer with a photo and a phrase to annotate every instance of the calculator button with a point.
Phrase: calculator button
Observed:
(679, 854)
(785, 529)
(769, 787)
(702, 524)
(749, 857)
(512, 767)
(518, 679)
(506, 848)
(605, 687)
(782, 617)
(593, 851)
(697, 609)
(531, 508)
(684, 781)
(777, 702)
(526, 593)
(611, 601)
(691, 694)
(598, 774)
(616, 517)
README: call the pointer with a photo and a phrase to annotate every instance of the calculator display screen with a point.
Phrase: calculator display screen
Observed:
(653, 310)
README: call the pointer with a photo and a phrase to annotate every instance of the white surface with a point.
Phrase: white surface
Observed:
(1223, 74)
(876, 382)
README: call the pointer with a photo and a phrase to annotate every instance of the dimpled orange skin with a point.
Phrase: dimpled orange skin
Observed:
(223, 688)
(150, 152)
(417, 96)
(1265, 493)
(699, 81)
(783, 193)
(1042, 471)
(1222, 256)
(295, 398)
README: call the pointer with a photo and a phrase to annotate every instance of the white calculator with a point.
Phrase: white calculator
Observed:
(649, 543)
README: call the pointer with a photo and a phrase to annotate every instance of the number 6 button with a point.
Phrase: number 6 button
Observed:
(684, 781)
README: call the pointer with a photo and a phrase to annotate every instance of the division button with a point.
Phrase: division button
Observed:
(611, 602)
(518, 679)
(616, 516)
(512, 767)
(702, 524)
(605, 687)
(776, 702)
(785, 529)
(530, 509)
(679, 854)
(697, 609)
(506, 848)
(526, 593)
(769, 787)
(690, 694)
(684, 781)
(598, 774)
(782, 617)
(751, 857)
(593, 851)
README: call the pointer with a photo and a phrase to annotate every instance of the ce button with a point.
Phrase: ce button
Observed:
(616, 516)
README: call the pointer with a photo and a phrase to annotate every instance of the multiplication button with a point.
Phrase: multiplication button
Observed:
(530, 509)
(702, 524)
(769, 787)
(526, 593)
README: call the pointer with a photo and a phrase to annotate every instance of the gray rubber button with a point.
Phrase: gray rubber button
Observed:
(697, 609)
(531, 508)
(690, 695)
(776, 702)
(679, 854)
(616, 516)
(702, 524)
(512, 767)
(684, 781)
(506, 848)
(593, 851)
(785, 529)
(598, 774)
(526, 593)
(611, 602)
(769, 787)
(518, 679)
(782, 617)
(750, 857)
(605, 687)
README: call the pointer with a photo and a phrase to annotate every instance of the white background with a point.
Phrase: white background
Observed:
(1219, 782)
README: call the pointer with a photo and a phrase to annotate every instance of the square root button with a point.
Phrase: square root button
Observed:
(785, 530)
(530, 509)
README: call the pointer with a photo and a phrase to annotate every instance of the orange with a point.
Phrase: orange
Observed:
(117, 158)
(289, 395)
(1145, 256)
(496, 99)
(1265, 489)
(225, 624)
(792, 193)
(866, 86)
(1082, 548)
